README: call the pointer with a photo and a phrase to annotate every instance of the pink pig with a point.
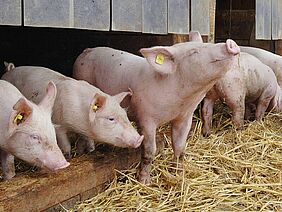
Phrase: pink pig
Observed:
(274, 61)
(27, 131)
(79, 107)
(248, 82)
(167, 85)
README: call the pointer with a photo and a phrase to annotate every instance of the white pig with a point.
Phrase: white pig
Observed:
(79, 107)
(274, 61)
(168, 84)
(27, 131)
(248, 83)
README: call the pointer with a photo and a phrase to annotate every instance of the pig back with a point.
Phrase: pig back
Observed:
(32, 81)
(270, 59)
(113, 71)
(258, 76)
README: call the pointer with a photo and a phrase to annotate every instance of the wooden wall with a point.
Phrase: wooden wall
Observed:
(146, 16)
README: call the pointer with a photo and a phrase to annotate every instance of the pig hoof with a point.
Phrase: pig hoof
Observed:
(90, 149)
(67, 155)
(206, 134)
(8, 176)
(144, 178)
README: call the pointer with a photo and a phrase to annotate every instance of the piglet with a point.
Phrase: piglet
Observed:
(79, 107)
(27, 131)
(248, 84)
(274, 61)
(168, 83)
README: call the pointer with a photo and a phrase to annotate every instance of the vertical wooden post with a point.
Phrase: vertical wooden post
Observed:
(212, 21)
(278, 47)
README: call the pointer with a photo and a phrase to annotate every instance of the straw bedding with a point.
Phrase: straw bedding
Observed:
(229, 171)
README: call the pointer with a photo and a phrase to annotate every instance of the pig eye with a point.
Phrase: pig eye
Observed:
(111, 119)
(35, 137)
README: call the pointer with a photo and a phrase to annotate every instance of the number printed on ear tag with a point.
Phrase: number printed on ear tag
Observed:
(160, 59)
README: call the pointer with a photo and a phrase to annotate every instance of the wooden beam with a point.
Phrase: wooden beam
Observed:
(86, 176)
(278, 47)
(212, 21)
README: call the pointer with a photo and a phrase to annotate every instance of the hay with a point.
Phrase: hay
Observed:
(230, 171)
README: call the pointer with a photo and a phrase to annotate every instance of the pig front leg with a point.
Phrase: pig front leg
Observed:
(8, 165)
(149, 149)
(84, 145)
(63, 141)
(180, 130)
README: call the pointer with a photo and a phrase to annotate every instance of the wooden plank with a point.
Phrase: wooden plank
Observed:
(92, 14)
(276, 18)
(263, 19)
(47, 13)
(154, 16)
(178, 16)
(278, 47)
(200, 16)
(126, 15)
(212, 9)
(83, 178)
(10, 12)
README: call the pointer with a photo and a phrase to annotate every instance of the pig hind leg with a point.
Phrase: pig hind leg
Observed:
(237, 104)
(264, 102)
(206, 115)
(8, 166)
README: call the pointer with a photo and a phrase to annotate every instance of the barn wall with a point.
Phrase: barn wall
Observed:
(236, 19)
(58, 48)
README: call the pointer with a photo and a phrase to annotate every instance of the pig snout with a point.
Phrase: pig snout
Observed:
(135, 143)
(62, 166)
(132, 139)
(54, 161)
(232, 47)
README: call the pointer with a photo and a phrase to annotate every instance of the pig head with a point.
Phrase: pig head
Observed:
(30, 135)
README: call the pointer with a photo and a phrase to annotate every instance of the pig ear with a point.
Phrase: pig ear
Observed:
(160, 58)
(195, 36)
(21, 112)
(8, 66)
(119, 97)
(97, 104)
(48, 101)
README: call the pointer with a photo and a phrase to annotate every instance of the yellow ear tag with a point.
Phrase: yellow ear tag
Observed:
(160, 59)
(18, 117)
(95, 108)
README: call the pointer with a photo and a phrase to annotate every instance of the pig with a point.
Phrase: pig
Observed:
(248, 82)
(79, 107)
(274, 61)
(167, 86)
(27, 131)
